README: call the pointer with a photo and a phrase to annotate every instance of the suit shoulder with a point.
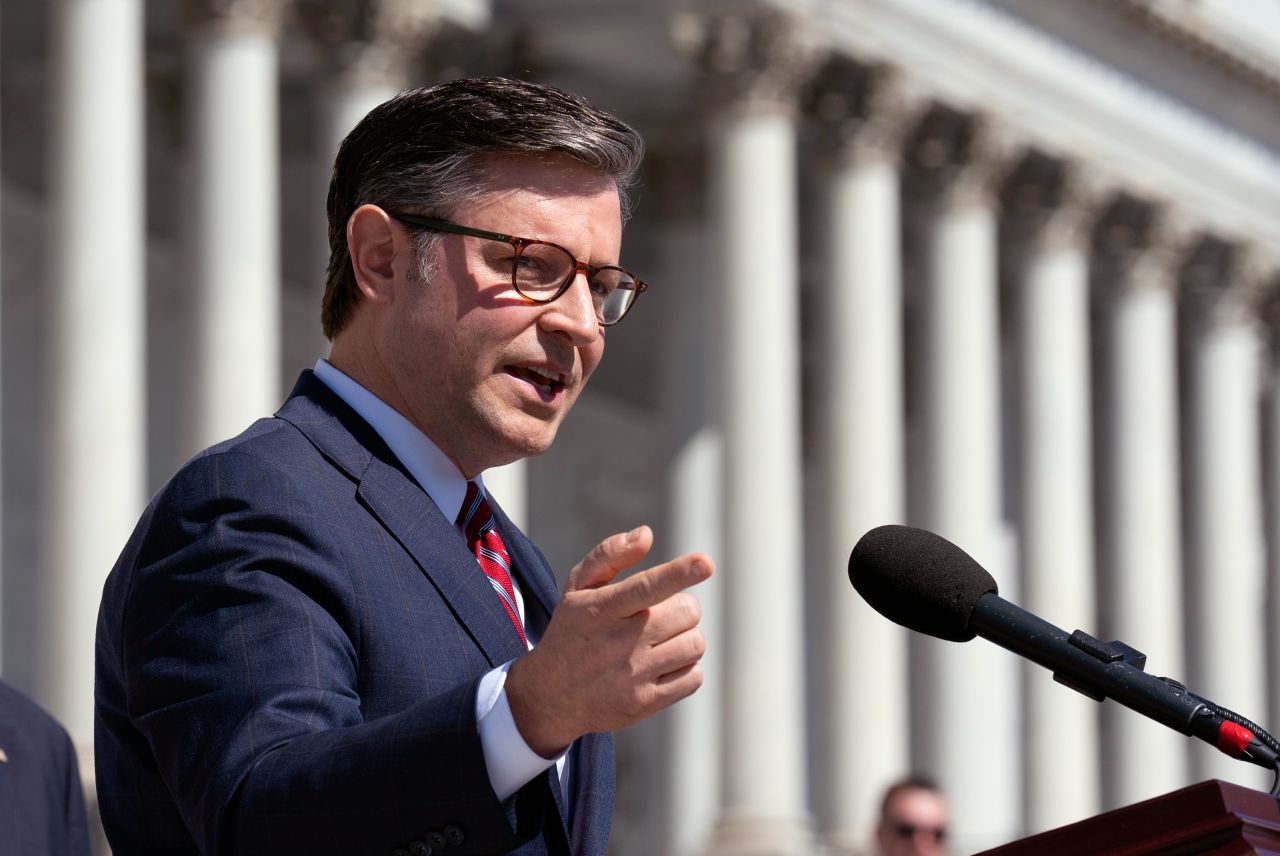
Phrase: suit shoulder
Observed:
(271, 439)
(269, 459)
(270, 482)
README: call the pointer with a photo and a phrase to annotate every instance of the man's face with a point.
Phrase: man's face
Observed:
(487, 375)
(914, 824)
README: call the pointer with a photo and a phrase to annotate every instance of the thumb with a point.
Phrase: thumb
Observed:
(609, 558)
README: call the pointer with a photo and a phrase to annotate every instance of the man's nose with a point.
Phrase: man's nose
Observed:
(574, 312)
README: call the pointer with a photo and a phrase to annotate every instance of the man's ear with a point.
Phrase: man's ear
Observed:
(374, 243)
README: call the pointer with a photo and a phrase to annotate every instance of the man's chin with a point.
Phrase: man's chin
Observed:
(525, 441)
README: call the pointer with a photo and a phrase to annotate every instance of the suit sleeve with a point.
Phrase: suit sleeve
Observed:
(240, 647)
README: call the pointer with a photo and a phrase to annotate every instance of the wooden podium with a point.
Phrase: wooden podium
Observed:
(1211, 817)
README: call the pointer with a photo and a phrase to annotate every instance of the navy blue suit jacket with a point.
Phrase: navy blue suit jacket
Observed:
(41, 800)
(288, 654)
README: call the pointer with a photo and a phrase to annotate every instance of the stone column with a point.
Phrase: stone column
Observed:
(756, 64)
(1140, 581)
(859, 654)
(965, 700)
(688, 308)
(6, 587)
(1225, 586)
(93, 460)
(1050, 208)
(1271, 461)
(235, 219)
(375, 46)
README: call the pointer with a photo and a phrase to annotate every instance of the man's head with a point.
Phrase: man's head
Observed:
(425, 314)
(426, 149)
(913, 819)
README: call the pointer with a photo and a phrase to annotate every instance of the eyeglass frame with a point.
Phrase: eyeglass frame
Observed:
(437, 225)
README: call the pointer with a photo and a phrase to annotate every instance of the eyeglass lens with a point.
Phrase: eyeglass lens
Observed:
(542, 269)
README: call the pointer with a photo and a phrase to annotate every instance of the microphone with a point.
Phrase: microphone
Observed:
(927, 584)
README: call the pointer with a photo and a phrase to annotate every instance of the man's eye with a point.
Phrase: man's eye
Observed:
(501, 262)
(605, 282)
(539, 271)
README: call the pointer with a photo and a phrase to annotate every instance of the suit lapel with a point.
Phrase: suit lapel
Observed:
(433, 542)
(407, 513)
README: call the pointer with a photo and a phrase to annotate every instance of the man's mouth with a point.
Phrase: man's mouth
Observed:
(546, 381)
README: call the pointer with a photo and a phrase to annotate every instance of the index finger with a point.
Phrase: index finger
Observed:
(653, 586)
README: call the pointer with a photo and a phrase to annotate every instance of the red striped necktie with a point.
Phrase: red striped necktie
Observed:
(476, 520)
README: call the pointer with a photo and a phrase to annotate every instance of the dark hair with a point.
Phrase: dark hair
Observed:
(912, 782)
(425, 151)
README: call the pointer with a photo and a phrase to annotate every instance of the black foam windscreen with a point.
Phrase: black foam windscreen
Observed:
(919, 580)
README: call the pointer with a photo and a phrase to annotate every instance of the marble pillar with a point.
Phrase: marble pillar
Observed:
(860, 413)
(235, 220)
(1225, 551)
(1140, 584)
(691, 772)
(755, 65)
(965, 701)
(93, 452)
(1051, 210)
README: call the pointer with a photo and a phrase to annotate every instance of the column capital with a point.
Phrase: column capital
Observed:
(760, 59)
(1223, 282)
(379, 39)
(254, 15)
(1269, 310)
(1142, 244)
(960, 158)
(1053, 202)
(866, 110)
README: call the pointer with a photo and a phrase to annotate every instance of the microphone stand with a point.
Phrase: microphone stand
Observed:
(1247, 740)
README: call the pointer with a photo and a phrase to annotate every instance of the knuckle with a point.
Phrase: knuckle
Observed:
(639, 703)
(698, 644)
(646, 589)
(689, 608)
(602, 552)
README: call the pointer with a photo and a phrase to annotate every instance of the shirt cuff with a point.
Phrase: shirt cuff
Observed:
(509, 760)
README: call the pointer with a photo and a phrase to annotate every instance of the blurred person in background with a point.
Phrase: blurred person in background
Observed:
(41, 797)
(913, 819)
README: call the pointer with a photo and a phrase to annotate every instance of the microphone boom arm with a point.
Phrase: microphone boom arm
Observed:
(1102, 670)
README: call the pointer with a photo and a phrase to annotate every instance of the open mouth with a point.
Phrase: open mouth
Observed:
(547, 382)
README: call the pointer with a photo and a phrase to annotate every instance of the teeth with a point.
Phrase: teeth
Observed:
(544, 379)
(552, 377)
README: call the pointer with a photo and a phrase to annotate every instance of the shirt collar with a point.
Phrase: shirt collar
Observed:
(429, 466)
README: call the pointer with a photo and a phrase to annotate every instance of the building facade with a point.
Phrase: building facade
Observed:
(1003, 269)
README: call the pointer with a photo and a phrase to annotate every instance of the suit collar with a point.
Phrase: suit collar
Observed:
(425, 461)
(337, 431)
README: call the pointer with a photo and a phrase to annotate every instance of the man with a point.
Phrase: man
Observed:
(323, 637)
(41, 800)
(913, 819)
